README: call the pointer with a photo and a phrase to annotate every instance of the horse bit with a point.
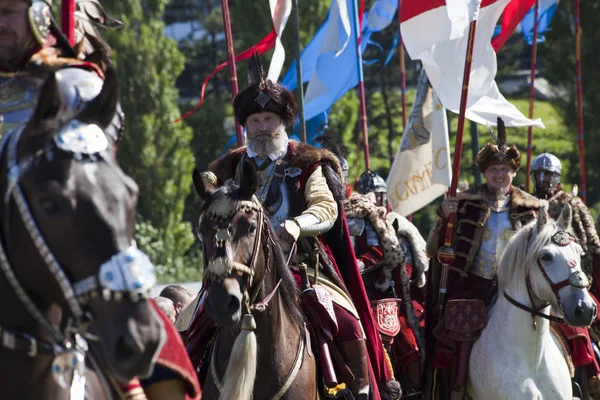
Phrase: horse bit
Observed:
(576, 279)
(127, 272)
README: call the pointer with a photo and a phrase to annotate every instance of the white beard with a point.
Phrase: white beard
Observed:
(264, 146)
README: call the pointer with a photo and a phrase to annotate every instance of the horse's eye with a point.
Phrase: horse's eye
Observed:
(252, 228)
(50, 205)
(546, 257)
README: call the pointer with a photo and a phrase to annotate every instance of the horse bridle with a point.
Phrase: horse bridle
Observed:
(127, 272)
(218, 268)
(576, 279)
(221, 267)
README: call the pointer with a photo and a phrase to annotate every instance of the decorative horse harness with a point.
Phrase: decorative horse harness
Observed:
(576, 279)
(127, 272)
(218, 268)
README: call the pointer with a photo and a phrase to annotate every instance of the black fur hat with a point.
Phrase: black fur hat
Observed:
(263, 95)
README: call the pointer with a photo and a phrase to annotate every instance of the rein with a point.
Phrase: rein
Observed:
(576, 279)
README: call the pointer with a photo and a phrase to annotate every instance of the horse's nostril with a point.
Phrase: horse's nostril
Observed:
(579, 312)
(127, 348)
(233, 305)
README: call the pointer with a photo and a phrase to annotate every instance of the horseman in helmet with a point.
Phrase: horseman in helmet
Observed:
(301, 188)
(486, 218)
(546, 173)
(392, 258)
(32, 47)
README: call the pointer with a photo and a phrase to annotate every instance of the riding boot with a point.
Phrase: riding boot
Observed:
(461, 371)
(355, 356)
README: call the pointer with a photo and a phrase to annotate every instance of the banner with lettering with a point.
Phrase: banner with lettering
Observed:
(421, 171)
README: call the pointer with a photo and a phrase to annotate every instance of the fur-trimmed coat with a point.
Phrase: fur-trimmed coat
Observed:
(471, 218)
(336, 240)
(582, 224)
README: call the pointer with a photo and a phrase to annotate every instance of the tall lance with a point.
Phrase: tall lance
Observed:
(299, 74)
(446, 254)
(532, 94)
(579, 101)
(361, 91)
(231, 63)
(68, 20)
(402, 69)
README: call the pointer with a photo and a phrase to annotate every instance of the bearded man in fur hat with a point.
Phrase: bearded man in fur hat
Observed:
(546, 173)
(32, 47)
(486, 218)
(302, 189)
(392, 258)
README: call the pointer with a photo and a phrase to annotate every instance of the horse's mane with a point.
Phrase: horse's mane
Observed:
(226, 198)
(521, 253)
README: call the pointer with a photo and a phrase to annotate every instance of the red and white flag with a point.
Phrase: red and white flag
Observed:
(436, 32)
(280, 12)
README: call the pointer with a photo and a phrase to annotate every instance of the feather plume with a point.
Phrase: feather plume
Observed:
(501, 140)
(90, 15)
(255, 71)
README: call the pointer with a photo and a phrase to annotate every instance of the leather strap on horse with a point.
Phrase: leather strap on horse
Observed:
(533, 311)
(288, 381)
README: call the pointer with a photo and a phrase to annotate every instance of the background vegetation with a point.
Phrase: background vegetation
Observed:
(161, 77)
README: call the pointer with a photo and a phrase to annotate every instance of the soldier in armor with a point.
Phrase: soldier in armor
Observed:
(301, 188)
(486, 218)
(390, 252)
(546, 173)
(32, 47)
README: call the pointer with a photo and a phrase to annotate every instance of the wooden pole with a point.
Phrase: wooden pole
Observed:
(532, 96)
(402, 69)
(68, 20)
(446, 254)
(299, 75)
(361, 92)
(582, 186)
(231, 64)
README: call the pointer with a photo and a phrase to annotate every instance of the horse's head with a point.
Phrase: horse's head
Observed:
(231, 226)
(553, 272)
(67, 215)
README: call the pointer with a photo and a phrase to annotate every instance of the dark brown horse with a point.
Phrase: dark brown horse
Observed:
(70, 273)
(260, 348)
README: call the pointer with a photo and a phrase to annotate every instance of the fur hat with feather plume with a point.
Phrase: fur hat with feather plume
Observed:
(498, 152)
(263, 95)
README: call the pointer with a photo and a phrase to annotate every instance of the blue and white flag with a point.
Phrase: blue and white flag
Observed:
(546, 11)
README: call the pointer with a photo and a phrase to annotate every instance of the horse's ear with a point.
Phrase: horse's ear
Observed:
(48, 104)
(249, 181)
(542, 218)
(101, 110)
(204, 189)
(564, 221)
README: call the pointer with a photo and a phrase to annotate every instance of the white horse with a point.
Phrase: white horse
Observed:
(516, 356)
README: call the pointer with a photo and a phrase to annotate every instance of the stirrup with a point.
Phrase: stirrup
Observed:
(414, 395)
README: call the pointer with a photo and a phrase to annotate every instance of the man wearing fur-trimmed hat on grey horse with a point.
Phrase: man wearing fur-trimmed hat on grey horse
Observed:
(486, 218)
(302, 189)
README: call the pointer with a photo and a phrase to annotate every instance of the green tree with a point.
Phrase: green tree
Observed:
(154, 151)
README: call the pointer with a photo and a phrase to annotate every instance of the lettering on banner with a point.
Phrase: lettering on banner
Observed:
(439, 157)
(415, 184)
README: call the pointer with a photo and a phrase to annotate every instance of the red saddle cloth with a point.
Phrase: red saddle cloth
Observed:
(174, 357)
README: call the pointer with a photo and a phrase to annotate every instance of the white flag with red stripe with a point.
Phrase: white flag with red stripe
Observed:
(280, 12)
(436, 32)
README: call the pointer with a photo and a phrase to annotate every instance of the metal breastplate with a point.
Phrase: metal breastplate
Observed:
(19, 94)
(496, 234)
(356, 226)
(18, 97)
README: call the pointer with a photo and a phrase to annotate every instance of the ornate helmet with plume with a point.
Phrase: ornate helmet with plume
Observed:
(498, 152)
(263, 95)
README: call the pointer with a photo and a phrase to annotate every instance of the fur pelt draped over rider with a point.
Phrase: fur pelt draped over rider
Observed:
(391, 255)
(546, 174)
(32, 48)
(301, 188)
(486, 218)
